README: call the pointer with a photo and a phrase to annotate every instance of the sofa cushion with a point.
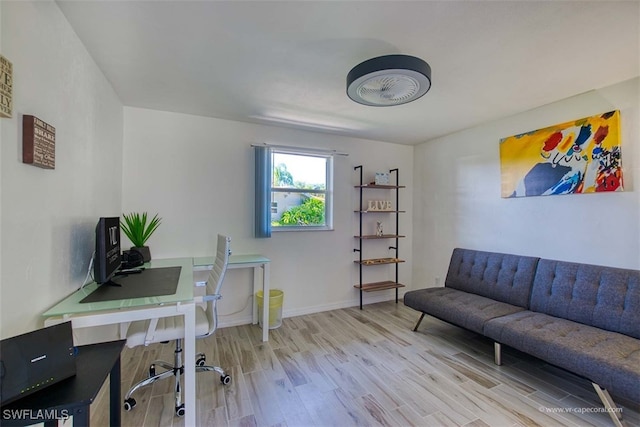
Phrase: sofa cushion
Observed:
(609, 359)
(502, 277)
(605, 297)
(460, 308)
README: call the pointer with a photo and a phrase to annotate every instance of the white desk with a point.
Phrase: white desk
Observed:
(257, 262)
(181, 303)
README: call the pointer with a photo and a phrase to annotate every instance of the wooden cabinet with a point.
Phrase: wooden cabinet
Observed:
(376, 212)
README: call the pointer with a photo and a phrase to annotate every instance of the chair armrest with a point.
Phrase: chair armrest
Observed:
(151, 330)
(206, 298)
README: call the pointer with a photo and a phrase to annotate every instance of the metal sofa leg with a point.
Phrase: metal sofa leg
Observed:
(497, 353)
(415, 328)
(614, 412)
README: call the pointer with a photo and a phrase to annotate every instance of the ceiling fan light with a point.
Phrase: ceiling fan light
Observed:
(389, 80)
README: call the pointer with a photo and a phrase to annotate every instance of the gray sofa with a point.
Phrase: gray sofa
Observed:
(583, 318)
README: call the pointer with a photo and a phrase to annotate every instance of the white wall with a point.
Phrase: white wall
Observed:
(48, 216)
(197, 173)
(457, 195)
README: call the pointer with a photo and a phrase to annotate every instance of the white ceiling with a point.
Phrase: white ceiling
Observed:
(285, 63)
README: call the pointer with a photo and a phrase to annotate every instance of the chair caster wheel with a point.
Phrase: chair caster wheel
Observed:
(129, 404)
(201, 361)
(225, 379)
(180, 410)
(152, 370)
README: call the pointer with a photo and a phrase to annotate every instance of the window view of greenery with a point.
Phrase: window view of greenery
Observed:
(298, 190)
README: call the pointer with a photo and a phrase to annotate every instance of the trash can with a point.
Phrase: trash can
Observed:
(276, 296)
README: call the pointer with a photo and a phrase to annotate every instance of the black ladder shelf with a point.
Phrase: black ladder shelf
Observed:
(365, 262)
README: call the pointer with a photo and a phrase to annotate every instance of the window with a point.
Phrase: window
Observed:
(300, 188)
(298, 194)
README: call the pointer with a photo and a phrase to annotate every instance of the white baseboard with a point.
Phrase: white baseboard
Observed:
(367, 299)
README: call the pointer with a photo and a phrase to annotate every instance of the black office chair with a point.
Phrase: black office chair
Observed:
(172, 328)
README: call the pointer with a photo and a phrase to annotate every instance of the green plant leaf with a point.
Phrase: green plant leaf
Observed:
(135, 227)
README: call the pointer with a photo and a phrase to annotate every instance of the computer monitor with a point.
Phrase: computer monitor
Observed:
(108, 259)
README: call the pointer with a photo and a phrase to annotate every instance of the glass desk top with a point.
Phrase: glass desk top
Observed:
(184, 293)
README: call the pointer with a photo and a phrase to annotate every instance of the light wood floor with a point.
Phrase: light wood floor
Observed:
(358, 368)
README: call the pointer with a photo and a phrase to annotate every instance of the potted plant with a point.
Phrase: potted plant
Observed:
(138, 230)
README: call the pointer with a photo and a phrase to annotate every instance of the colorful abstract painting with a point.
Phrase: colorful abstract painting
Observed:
(581, 156)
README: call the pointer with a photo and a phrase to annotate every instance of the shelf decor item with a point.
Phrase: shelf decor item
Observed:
(382, 178)
(379, 206)
(138, 229)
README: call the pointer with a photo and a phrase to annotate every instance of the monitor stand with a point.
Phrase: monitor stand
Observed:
(122, 273)
(110, 283)
(128, 271)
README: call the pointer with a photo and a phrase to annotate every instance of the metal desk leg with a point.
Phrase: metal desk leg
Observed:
(114, 395)
(81, 417)
(265, 302)
(256, 286)
(189, 364)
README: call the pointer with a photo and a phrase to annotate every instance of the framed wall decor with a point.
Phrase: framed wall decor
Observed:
(6, 88)
(38, 143)
(581, 156)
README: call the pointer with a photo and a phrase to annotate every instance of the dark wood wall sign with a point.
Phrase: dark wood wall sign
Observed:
(38, 143)
(6, 87)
